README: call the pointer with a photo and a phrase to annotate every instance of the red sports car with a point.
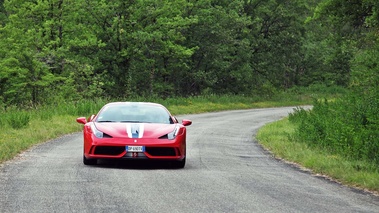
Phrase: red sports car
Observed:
(134, 130)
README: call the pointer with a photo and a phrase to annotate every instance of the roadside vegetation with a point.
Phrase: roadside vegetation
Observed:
(337, 138)
(280, 139)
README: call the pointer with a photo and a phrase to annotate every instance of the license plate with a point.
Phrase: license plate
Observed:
(135, 148)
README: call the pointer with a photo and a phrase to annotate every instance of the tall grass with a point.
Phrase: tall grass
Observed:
(15, 119)
(348, 126)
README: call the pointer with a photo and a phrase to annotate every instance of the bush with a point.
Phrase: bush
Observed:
(347, 126)
(17, 119)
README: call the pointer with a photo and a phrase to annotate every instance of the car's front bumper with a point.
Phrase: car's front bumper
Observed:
(112, 148)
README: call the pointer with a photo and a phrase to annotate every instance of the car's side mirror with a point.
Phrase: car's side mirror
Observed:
(81, 120)
(186, 122)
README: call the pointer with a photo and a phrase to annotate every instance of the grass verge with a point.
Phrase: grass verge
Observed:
(276, 137)
(14, 141)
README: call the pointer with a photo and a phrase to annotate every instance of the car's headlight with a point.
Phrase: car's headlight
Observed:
(172, 135)
(96, 132)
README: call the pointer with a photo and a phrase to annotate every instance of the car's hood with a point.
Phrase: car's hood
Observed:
(135, 130)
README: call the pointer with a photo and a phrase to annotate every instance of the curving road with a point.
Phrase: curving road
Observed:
(226, 171)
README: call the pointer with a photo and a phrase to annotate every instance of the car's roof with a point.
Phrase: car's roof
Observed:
(133, 103)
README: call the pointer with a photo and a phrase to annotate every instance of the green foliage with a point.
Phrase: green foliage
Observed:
(3, 16)
(276, 32)
(16, 119)
(365, 71)
(319, 89)
(68, 50)
(346, 126)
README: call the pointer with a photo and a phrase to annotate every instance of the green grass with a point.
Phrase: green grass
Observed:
(14, 141)
(276, 137)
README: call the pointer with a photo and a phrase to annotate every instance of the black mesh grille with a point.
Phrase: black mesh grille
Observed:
(164, 137)
(161, 151)
(109, 150)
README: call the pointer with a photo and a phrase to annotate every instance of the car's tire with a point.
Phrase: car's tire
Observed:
(87, 161)
(180, 164)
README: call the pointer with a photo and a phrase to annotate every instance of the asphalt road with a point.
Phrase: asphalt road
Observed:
(226, 171)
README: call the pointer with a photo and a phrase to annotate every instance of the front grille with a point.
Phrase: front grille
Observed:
(109, 150)
(164, 137)
(161, 151)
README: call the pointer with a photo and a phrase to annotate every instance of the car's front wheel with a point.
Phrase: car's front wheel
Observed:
(87, 161)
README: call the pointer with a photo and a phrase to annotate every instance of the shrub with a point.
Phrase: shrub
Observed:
(17, 119)
(348, 126)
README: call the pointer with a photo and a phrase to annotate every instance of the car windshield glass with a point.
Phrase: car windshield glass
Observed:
(134, 113)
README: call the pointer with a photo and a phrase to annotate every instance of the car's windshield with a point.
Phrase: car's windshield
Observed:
(134, 113)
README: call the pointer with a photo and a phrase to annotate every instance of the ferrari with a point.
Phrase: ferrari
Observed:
(134, 130)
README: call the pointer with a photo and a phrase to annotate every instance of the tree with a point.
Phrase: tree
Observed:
(348, 126)
(3, 16)
(157, 50)
(23, 76)
(66, 49)
(354, 34)
(38, 42)
(276, 35)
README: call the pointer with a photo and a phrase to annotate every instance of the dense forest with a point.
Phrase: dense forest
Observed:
(52, 50)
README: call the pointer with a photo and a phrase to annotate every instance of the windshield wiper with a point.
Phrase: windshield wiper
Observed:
(132, 122)
(106, 121)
